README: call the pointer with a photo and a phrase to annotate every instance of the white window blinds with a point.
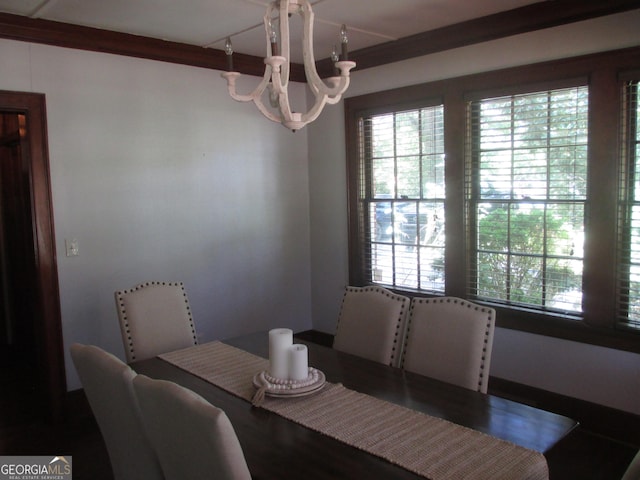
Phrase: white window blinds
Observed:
(629, 221)
(401, 192)
(527, 187)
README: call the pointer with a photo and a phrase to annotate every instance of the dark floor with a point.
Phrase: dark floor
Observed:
(581, 456)
(23, 431)
(586, 456)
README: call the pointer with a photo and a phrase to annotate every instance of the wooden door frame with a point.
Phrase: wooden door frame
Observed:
(48, 325)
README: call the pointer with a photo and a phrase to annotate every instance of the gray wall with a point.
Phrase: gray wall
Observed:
(159, 175)
(601, 375)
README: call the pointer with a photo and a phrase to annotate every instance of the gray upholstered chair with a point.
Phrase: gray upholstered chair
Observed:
(633, 470)
(155, 317)
(107, 383)
(193, 439)
(371, 324)
(450, 339)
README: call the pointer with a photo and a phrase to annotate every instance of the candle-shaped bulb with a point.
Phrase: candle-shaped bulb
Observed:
(228, 49)
(334, 58)
(343, 34)
(334, 54)
(344, 40)
(273, 37)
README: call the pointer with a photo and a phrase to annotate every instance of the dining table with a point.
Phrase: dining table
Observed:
(306, 438)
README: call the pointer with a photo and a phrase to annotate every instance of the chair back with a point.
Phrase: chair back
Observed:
(155, 317)
(193, 439)
(371, 324)
(633, 470)
(107, 383)
(450, 339)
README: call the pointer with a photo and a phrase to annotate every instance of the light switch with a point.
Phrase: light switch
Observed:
(72, 247)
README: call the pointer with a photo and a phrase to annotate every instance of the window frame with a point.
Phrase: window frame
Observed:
(601, 71)
(473, 196)
(366, 197)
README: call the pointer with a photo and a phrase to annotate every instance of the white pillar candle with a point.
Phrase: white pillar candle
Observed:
(298, 362)
(280, 339)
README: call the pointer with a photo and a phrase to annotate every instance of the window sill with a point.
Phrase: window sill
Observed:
(566, 328)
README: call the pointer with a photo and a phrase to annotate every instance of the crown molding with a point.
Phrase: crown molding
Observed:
(536, 16)
(532, 17)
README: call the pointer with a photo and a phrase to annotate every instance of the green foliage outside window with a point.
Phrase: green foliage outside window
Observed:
(531, 179)
(518, 262)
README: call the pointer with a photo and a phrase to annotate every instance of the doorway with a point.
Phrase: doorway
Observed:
(32, 368)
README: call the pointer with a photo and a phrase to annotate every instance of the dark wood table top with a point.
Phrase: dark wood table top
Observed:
(276, 448)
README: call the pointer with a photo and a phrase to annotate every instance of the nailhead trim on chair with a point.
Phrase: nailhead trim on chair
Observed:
(121, 293)
(392, 296)
(462, 302)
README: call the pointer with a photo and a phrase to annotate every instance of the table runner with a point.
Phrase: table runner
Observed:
(429, 446)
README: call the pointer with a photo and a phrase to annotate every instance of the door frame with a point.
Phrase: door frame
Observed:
(47, 317)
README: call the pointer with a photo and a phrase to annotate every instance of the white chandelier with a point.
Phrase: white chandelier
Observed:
(276, 74)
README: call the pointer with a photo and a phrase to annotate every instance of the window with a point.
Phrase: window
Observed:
(506, 188)
(402, 191)
(629, 269)
(527, 192)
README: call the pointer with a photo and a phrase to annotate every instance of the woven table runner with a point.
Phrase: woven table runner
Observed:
(432, 447)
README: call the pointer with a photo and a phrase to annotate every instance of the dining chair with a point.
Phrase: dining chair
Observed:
(107, 383)
(193, 439)
(450, 339)
(633, 470)
(155, 317)
(371, 324)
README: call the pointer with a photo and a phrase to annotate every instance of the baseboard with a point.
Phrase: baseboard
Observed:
(598, 419)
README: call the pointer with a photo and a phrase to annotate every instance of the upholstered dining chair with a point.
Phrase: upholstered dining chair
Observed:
(155, 317)
(371, 324)
(450, 339)
(107, 383)
(192, 438)
(633, 470)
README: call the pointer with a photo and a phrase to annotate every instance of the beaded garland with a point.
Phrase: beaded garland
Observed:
(281, 387)
(273, 383)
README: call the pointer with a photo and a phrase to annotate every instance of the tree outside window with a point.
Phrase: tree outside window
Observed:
(527, 192)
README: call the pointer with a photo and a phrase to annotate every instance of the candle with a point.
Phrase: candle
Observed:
(273, 38)
(334, 58)
(280, 340)
(228, 50)
(344, 40)
(298, 362)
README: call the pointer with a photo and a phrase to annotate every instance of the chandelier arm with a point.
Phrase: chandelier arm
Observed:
(315, 82)
(322, 99)
(231, 78)
(283, 20)
(316, 109)
(337, 86)
(276, 84)
(339, 83)
(334, 100)
(255, 96)
(265, 111)
(285, 107)
(276, 63)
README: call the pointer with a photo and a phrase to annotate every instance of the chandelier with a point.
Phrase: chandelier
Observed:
(278, 60)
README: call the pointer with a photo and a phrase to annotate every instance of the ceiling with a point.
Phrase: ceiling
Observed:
(206, 23)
